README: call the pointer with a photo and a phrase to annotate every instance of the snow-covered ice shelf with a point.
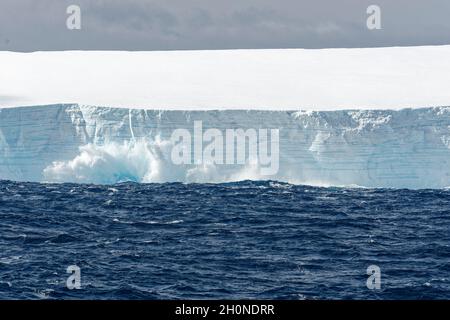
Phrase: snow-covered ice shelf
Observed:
(374, 117)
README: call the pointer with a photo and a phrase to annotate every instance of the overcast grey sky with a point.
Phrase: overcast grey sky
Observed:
(30, 25)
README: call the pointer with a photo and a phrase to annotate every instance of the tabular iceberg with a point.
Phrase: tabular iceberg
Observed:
(407, 148)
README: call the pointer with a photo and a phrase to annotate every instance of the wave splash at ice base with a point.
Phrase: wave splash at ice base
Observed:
(140, 161)
(108, 164)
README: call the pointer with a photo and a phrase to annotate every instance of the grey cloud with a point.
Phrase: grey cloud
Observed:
(29, 25)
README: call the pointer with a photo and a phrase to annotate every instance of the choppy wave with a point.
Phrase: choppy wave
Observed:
(247, 240)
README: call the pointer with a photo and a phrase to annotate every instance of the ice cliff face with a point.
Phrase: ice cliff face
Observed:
(73, 143)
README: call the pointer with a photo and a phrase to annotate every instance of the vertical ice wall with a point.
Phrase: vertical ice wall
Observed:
(384, 148)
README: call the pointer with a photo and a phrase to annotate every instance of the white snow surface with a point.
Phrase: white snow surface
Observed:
(281, 79)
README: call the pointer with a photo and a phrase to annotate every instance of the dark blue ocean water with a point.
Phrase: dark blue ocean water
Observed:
(261, 240)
